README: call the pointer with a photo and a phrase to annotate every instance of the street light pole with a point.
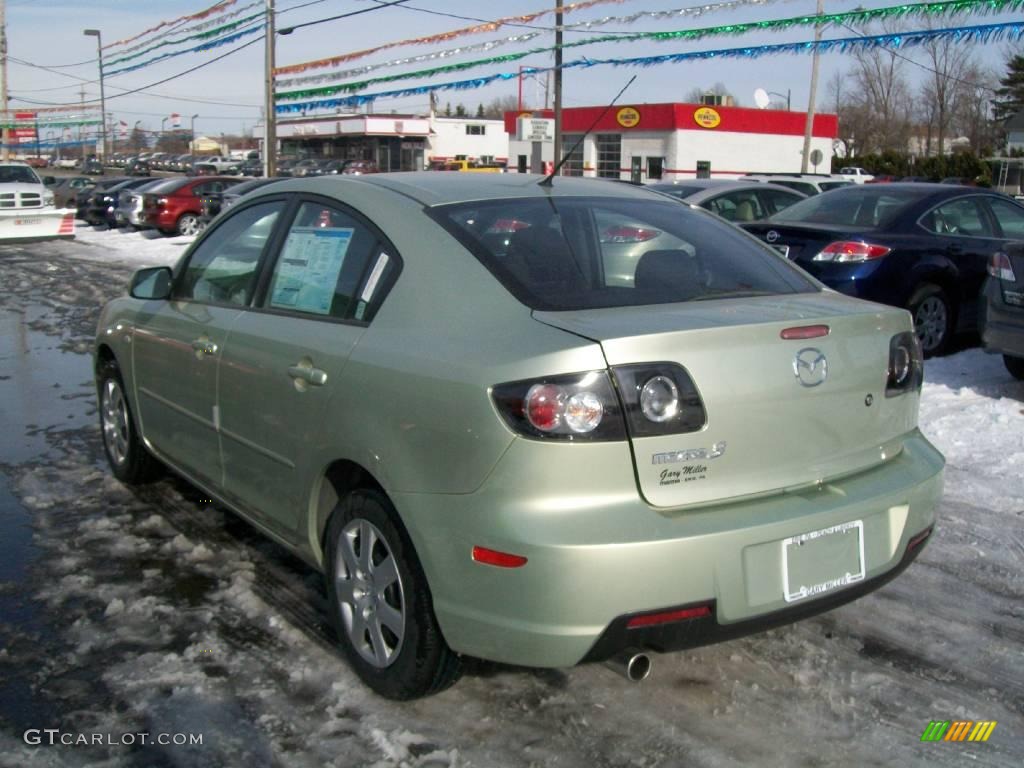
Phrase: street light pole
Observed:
(809, 125)
(558, 84)
(192, 133)
(270, 117)
(103, 100)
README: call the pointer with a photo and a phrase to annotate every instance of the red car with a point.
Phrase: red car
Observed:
(174, 206)
(38, 162)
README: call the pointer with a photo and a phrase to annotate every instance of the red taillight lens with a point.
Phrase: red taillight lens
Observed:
(544, 405)
(496, 558)
(626, 234)
(667, 617)
(851, 250)
(999, 266)
(580, 406)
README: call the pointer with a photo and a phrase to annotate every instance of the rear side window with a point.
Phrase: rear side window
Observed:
(958, 217)
(583, 253)
(869, 207)
(736, 206)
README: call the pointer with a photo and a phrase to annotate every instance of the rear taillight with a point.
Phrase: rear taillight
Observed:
(851, 251)
(660, 399)
(999, 266)
(506, 226)
(580, 406)
(162, 201)
(629, 234)
(906, 365)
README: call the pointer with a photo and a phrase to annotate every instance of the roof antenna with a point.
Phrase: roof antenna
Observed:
(546, 181)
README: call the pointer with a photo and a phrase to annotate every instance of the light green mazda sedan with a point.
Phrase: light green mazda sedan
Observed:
(429, 387)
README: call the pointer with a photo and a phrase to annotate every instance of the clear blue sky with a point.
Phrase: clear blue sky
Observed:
(227, 95)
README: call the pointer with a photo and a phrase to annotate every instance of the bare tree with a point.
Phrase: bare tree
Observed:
(497, 108)
(882, 93)
(696, 95)
(970, 115)
(948, 61)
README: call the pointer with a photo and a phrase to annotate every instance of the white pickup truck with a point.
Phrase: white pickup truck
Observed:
(27, 211)
(222, 163)
(856, 175)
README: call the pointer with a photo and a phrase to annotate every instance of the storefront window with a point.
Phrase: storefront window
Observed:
(574, 160)
(609, 155)
(655, 166)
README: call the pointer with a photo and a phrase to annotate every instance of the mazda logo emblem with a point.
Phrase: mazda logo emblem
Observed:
(810, 367)
(772, 236)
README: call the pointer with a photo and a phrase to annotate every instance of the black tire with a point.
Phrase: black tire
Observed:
(416, 663)
(1015, 365)
(933, 319)
(129, 460)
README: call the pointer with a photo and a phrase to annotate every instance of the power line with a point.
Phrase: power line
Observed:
(381, 4)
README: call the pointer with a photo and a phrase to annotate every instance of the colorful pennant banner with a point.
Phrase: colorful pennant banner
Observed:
(258, 29)
(490, 26)
(982, 33)
(181, 40)
(204, 14)
(860, 16)
(344, 74)
(210, 24)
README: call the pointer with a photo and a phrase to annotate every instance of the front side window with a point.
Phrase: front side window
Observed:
(222, 268)
(583, 253)
(331, 265)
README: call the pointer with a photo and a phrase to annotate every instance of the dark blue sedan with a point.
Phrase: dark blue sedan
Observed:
(920, 246)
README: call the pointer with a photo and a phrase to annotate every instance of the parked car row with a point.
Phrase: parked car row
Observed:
(172, 205)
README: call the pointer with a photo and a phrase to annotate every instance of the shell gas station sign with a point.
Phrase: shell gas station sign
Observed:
(706, 117)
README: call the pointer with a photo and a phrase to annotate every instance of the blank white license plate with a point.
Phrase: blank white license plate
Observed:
(818, 562)
(28, 221)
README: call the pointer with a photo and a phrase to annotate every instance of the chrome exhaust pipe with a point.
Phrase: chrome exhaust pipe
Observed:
(632, 664)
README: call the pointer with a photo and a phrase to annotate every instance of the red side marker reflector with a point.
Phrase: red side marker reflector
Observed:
(920, 539)
(669, 616)
(805, 332)
(499, 559)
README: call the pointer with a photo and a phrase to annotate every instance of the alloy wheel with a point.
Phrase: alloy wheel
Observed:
(370, 594)
(114, 412)
(930, 322)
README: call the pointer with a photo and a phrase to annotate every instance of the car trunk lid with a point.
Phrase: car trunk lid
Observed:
(766, 430)
(802, 243)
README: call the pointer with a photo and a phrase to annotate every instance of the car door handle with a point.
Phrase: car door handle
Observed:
(203, 346)
(955, 249)
(307, 373)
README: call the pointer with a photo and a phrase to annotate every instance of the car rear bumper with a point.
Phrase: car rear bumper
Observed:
(1002, 325)
(598, 555)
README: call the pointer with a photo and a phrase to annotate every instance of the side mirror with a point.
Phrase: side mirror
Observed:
(152, 283)
(49, 181)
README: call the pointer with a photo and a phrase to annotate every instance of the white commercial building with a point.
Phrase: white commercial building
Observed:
(666, 142)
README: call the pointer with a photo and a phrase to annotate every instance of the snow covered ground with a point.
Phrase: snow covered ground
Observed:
(152, 610)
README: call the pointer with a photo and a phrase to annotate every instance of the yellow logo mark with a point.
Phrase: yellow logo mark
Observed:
(706, 117)
(627, 117)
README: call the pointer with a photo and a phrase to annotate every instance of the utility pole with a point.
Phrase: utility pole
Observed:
(809, 125)
(558, 82)
(81, 144)
(6, 152)
(269, 123)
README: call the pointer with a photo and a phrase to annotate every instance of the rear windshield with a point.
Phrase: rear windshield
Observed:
(676, 190)
(870, 207)
(585, 253)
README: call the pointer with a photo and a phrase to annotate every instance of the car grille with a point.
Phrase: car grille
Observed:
(20, 200)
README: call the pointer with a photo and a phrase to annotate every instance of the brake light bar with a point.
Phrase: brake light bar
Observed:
(805, 332)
